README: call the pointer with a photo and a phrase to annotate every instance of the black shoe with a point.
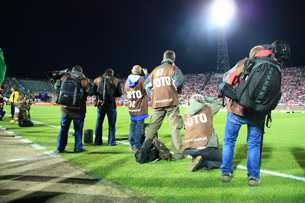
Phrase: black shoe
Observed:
(64, 151)
(79, 150)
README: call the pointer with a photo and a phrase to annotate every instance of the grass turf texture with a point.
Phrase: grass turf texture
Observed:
(283, 152)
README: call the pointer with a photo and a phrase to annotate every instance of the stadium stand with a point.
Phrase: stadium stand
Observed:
(293, 87)
(36, 85)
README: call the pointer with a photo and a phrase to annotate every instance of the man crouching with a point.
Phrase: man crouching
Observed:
(21, 114)
(200, 139)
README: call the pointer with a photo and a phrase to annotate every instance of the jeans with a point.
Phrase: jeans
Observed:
(232, 127)
(211, 157)
(135, 133)
(111, 114)
(62, 138)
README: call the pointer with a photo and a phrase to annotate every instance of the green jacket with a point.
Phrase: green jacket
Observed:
(2, 66)
(215, 106)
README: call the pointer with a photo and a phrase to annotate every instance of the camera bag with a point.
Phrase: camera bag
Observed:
(106, 89)
(71, 92)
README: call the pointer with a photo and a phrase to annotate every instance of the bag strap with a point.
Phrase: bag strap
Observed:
(269, 120)
(265, 86)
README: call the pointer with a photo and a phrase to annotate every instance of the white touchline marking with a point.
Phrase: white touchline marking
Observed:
(34, 159)
(26, 140)
(238, 166)
(37, 146)
(276, 174)
(49, 152)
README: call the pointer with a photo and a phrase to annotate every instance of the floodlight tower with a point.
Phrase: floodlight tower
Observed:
(223, 64)
(222, 12)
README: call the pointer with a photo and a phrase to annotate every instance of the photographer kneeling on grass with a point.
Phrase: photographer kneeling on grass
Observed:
(21, 114)
(200, 139)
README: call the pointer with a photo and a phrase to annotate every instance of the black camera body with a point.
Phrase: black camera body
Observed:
(281, 50)
(56, 75)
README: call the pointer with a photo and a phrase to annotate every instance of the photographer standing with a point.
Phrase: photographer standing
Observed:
(108, 87)
(13, 99)
(239, 115)
(77, 114)
(166, 81)
(137, 105)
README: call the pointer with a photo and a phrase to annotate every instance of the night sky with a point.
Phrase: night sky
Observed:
(38, 36)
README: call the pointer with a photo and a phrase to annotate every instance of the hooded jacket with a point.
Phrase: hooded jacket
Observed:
(198, 122)
(137, 97)
(76, 113)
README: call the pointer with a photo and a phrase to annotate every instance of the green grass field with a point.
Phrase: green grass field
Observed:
(283, 152)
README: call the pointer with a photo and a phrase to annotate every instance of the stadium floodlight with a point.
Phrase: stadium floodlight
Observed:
(222, 11)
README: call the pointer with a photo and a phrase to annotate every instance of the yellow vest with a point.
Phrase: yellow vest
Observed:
(14, 97)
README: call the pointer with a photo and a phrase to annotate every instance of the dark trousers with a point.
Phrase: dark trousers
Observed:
(2, 113)
(12, 109)
(111, 115)
(212, 157)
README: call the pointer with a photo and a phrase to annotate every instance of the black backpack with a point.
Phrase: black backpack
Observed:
(147, 153)
(260, 87)
(71, 92)
(106, 89)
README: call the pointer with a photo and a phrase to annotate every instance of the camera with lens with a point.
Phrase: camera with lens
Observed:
(281, 50)
(143, 70)
(56, 75)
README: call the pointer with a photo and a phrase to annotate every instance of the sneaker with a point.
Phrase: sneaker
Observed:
(253, 181)
(195, 164)
(226, 177)
(79, 150)
(135, 150)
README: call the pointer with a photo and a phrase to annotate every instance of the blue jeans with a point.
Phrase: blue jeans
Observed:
(135, 133)
(62, 138)
(111, 114)
(233, 125)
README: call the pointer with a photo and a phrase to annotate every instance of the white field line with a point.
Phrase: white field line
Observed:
(276, 174)
(238, 166)
(34, 159)
(37, 146)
